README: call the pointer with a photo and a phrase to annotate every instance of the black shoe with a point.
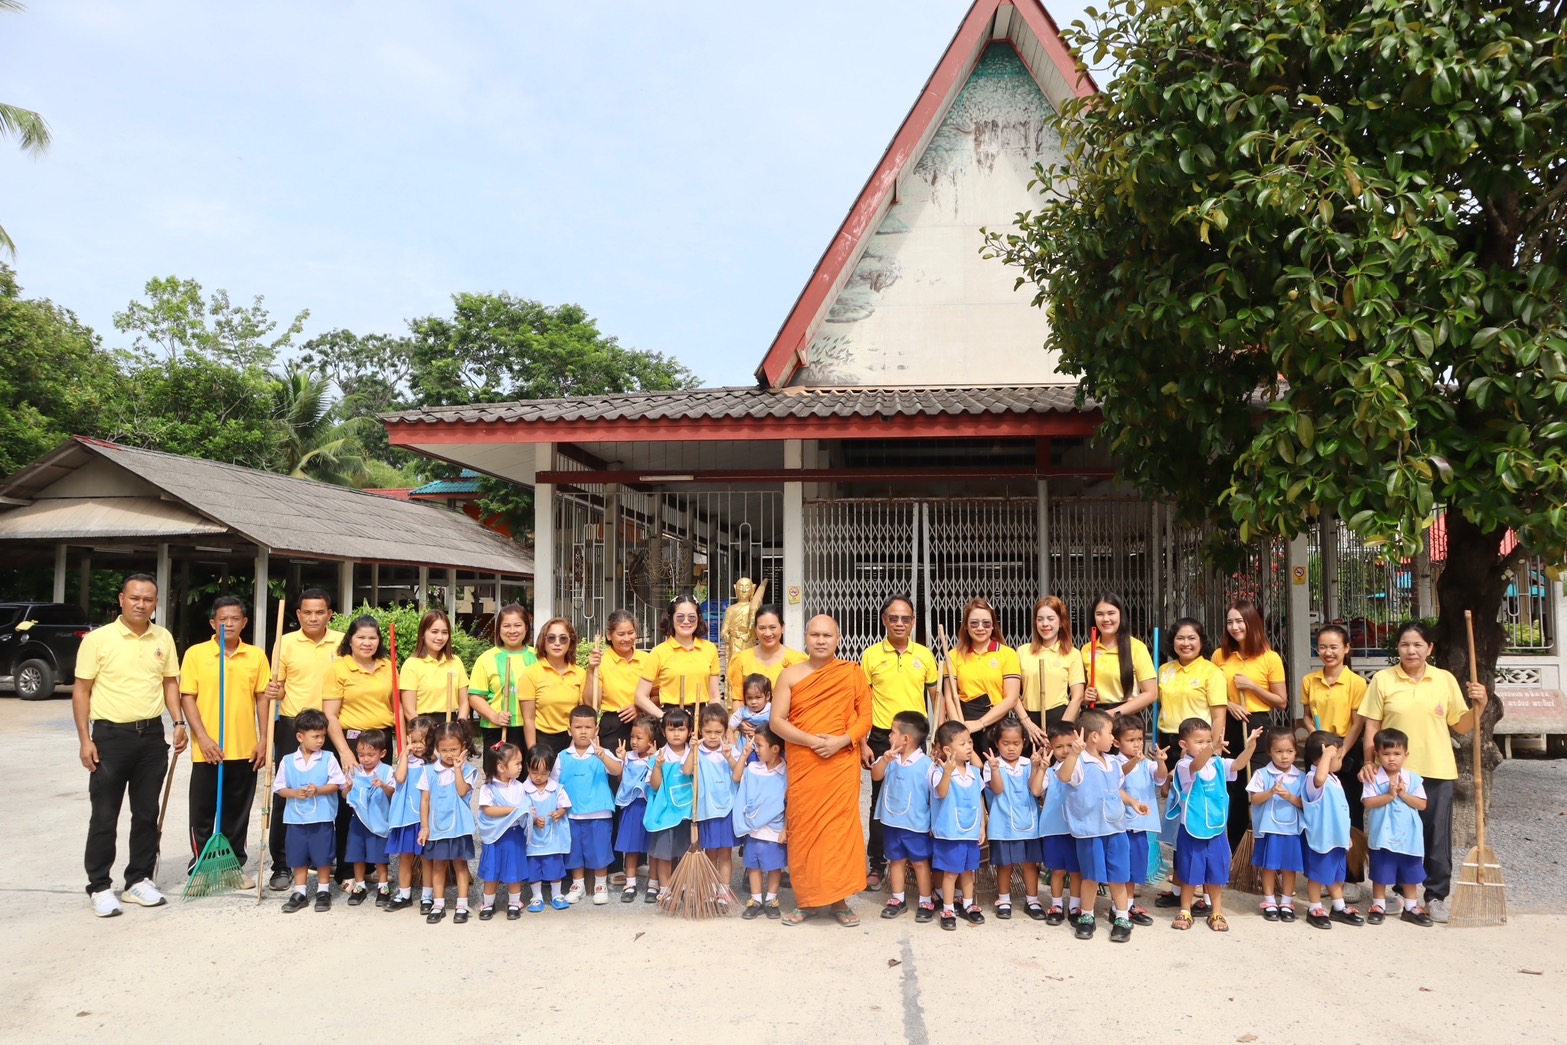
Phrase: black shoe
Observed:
(1035, 911)
(486, 913)
(436, 914)
(1085, 927)
(1287, 912)
(1167, 900)
(383, 896)
(1375, 916)
(1347, 915)
(651, 896)
(1138, 916)
(1201, 906)
(295, 902)
(279, 881)
(1318, 921)
(628, 894)
(399, 903)
(1055, 916)
(357, 897)
(460, 916)
(513, 913)
(924, 912)
(1416, 916)
(1004, 911)
(1270, 912)
(753, 909)
(949, 922)
(1121, 931)
(772, 910)
(975, 916)
(426, 906)
(323, 900)
(894, 907)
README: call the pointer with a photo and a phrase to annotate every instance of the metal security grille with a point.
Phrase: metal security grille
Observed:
(980, 548)
(1099, 546)
(857, 553)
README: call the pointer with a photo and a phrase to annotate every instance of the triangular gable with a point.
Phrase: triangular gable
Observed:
(1032, 67)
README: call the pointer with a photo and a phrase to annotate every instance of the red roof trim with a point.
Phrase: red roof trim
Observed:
(784, 356)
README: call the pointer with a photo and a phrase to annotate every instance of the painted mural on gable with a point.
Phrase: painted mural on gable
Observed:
(922, 307)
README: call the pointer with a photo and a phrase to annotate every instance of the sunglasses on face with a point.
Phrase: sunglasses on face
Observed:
(557, 638)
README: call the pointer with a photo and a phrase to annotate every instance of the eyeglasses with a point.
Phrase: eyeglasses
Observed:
(557, 638)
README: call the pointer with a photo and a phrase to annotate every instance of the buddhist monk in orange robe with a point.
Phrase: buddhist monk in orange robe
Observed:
(822, 712)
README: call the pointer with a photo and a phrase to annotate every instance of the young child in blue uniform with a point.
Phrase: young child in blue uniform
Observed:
(446, 822)
(1326, 813)
(715, 795)
(309, 780)
(755, 711)
(631, 797)
(1058, 849)
(370, 796)
(1141, 777)
(759, 818)
(1096, 811)
(503, 829)
(1393, 799)
(903, 807)
(957, 823)
(546, 804)
(1013, 820)
(1200, 802)
(669, 806)
(1276, 824)
(402, 837)
(584, 770)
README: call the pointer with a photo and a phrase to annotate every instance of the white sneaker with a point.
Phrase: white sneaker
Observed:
(600, 895)
(105, 904)
(1437, 909)
(575, 893)
(144, 893)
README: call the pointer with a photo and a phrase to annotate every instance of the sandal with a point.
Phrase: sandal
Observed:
(1183, 921)
(1217, 923)
(873, 879)
(798, 915)
(846, 918)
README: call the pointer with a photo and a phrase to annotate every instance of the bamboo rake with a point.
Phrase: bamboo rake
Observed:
(1480, 895)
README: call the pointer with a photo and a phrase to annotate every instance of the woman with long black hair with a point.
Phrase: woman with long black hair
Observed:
(1121, 677)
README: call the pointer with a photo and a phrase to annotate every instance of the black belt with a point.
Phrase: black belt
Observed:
(141, 726)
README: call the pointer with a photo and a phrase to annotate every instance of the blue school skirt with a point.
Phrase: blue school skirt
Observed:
(1279, 852)
(1327, 868)
(717, 833)
(506, 858)
(632, 836)
(402, 840)
(1060, 853)
(450, 848)
(1012, 852)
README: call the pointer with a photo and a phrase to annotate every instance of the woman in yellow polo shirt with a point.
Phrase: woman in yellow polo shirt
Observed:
(550, 688)
(1330, 699)
(619, 667)
(1426, 703)
(683, 669)
(492, 689)
(768, 657)
(1120, 668)
(433, 681)
(1052, 669)
(1256, 690)
(1190, 686)
(358, 697)
(987, 673)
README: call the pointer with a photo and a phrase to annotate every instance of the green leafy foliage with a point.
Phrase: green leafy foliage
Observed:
(465, 646)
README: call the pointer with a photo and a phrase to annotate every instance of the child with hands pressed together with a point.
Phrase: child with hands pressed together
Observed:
(446, 822)
(402, 837)
(309, 780)
(715, 794)
(584, 769)
(1096, 811)
(903, 808)
(631, 796)
(1141, 778)
(1276, 824)
(370, 794)
(1200, 802)
(1393, 799)
(1058, 849)
(546, 804)
(1014, 819)
(503, 828)
(957, 819)
(1326, 814)
(755, 711)
(759, 817)
(669, 809)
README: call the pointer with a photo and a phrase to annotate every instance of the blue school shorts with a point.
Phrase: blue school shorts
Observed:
(1137, 842)
(310, 845)
(1202, 861)
(590, 848)
(1330, 868)
(899, 843)
(954, 855)
(364, 846)
(762, 855)
(1107, 858)
(1390, 868)
(1061, 853)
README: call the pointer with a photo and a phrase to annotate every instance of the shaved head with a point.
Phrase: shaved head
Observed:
(822, 637)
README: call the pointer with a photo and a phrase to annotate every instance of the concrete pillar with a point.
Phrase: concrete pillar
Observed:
(1044, 541)
(375, 584)
(424, 588)
(84, 582)
(451, 594)
(259, 634)
(544, 538)
(345, 586)
(60, 551)
(164, 580)
(1298, 618)
(793, 550)
(1327, 543)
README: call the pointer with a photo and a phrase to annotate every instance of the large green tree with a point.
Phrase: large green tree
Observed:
(1308, 258)
(26, 126)
(317, 440)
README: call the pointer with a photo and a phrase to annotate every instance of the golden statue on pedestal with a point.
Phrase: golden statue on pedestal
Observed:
(739, 627)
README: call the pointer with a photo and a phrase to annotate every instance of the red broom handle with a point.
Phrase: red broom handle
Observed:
(1093, 665)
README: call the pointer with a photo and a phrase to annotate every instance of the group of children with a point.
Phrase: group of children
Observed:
(1087, 809)
(541, 817)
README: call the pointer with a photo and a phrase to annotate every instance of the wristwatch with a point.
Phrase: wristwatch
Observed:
(179, 724)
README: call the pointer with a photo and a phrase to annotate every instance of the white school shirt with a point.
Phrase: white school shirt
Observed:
(592, 751)
(1022, 768)
(766, 834)
(1183, 770)
(1077, 767)
(562, 801)
(499, 794)
(1378, 782)
(444, 775)
(334, 772)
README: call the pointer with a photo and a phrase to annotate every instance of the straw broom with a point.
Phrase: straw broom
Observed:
(1243, 876)
(217, 868)
(696, 886)
(266, 790)
(1480, 897)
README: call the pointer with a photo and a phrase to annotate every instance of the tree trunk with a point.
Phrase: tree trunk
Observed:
(1473, 579)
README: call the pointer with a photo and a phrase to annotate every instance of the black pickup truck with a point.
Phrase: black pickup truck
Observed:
(38, 642)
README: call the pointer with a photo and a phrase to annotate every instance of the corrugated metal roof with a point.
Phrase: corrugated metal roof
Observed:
(446, 487)
(294, 516)
(82, 518)
(396, 493)
(753, 403)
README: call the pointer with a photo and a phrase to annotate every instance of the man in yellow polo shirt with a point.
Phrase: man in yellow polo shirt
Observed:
(244, 676)
(902, 674)
(127, 675)
(304, 665)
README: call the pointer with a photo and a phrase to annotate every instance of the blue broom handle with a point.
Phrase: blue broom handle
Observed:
(1156, 687)
(223, 646)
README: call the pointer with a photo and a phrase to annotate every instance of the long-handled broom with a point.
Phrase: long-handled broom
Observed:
(266, 790)
(696, 886)
(416, 867)
(1243, 876)
(217, 868)
(1093, 665)
(163, 809)
(1480, 896)
(1158, 868)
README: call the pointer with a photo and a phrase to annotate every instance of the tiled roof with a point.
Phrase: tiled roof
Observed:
(395, 493)
(757, 403)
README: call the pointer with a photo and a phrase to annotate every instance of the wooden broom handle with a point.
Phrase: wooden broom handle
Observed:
(1479, 768)
(266, 791)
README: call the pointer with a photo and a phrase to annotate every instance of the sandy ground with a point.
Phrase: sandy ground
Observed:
(230, 969)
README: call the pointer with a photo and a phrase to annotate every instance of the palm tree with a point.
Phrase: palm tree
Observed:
(23, 124)
(317, 443)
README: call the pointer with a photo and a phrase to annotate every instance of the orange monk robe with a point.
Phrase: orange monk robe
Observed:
(826, 843)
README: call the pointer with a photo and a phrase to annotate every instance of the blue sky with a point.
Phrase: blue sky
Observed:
(676, 169)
